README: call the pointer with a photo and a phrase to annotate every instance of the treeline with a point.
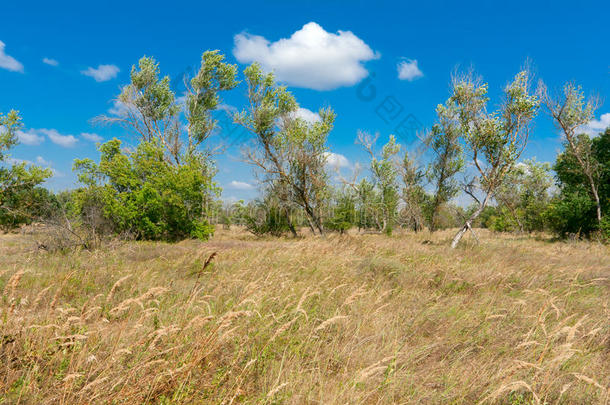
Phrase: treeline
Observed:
(162, 188)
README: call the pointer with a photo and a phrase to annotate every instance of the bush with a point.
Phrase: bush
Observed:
(571, 213)
(142, 195)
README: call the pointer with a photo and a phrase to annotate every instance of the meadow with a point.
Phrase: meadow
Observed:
(342, 319)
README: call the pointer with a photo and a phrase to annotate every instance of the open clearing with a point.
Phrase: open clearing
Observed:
(353, 319)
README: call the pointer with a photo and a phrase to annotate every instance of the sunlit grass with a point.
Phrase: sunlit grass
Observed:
(352, 319)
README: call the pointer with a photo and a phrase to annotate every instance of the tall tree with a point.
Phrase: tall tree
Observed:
(448, 160)
(571, 112)
(289, 152)
(494, 140)
(149, 107)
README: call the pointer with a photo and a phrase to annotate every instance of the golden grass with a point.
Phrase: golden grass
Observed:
(358, 319)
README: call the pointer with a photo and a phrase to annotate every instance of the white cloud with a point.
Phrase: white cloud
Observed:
(17, 161)
(594, 127)
(30, 137)
(119, 109)
(336, 160)
(307, 115)
(92, 137)
(103, 73)
(241, 185)
(408, 70)
(310, 58)
(8, 62)
(67, 141)
(49, 61)
(41, 161)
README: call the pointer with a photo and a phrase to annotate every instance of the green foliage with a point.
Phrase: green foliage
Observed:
(523, 197)
(380, 197)
(416, 200)
(150, 109)
(574, 210)
(344, 213)
(571, 213)
(289, 152)
(447, 161)
(20, 199)
(269, 217)
(142, 195)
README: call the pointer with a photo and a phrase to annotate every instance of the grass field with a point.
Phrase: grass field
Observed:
(358, 319)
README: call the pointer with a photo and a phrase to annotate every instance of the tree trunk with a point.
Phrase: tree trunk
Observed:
(467, 225)
(597, 203)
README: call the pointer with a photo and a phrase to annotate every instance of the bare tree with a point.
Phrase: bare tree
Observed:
(570, 112)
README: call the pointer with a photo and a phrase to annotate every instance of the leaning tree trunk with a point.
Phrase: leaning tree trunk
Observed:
(468, 224)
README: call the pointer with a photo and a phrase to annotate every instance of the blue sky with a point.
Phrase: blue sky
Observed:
(62, 63)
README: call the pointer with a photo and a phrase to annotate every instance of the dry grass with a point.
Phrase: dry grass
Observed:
(355, 319)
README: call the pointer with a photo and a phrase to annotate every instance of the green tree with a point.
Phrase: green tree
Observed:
(289, 153)
(413, 194)
(494, 140)
(573, 211)
(344, 212)
(148, 107)
(570, 112)
(143, 195)
(384, 173)
(20, 198)
(523, 197)
(447, 161)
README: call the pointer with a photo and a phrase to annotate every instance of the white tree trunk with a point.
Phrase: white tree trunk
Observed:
(468, 223)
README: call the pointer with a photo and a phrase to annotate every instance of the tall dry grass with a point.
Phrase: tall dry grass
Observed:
(357, 319)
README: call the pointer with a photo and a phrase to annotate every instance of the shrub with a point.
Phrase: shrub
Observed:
(143, 195)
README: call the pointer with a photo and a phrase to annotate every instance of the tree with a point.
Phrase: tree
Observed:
(162, 188)
(573, 211)
(148, 106)
(443, 140)
(571, 112)
(289, 152)
(494, 140)
(384, 171)
(143, 196)
(523, 197)
(344, 212)
(20, 198)
(413, 194)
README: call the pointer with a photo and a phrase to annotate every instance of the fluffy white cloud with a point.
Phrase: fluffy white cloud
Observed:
(30, 137)
(241, 185)
(408, 70)
(103, 73)
(49, 61)
(310, 58)
(8, 62)
(67, 141)
(307, 115)
(594, 127)
(336, 160)
(92, 137)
